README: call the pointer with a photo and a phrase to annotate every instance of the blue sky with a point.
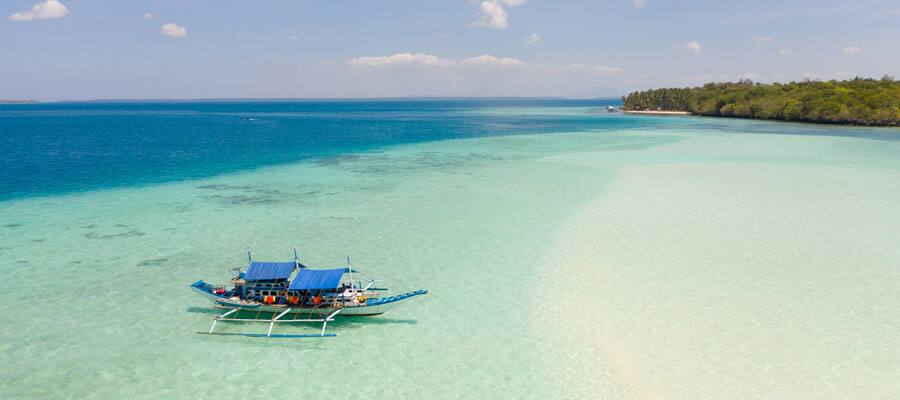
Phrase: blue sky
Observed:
(77, 49)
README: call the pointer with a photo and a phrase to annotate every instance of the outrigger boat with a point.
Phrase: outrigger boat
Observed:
(268, 293)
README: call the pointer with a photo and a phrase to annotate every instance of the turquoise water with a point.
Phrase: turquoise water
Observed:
(611, 257)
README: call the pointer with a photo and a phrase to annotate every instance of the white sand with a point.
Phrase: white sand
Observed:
(732, 280)
(650, 112)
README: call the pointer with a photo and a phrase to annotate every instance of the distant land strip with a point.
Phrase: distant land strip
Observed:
(859, 101)
(657, 112)
(18, 101)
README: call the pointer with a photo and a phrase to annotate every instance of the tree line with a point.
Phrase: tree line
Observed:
(858, 101)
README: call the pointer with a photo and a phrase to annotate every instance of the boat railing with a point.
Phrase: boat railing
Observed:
(333, 299)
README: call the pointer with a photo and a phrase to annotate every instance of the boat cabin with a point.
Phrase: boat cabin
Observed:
(264, 278)
(270, 283)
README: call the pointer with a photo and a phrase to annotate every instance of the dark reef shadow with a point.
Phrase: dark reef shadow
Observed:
(153, 262)
(131, 233)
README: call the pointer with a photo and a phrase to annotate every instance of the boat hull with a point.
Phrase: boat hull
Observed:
(377, 306)
(361, 310)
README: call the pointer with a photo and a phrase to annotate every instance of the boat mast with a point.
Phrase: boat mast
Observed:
(350, 271)
(244, 286)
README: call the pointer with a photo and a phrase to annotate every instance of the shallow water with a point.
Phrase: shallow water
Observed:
(687, 258)
(741, 267)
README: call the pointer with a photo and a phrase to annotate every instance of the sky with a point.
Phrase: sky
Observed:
(116, 49)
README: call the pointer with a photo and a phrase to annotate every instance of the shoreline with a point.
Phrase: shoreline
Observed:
(821, 123)
(650, 112)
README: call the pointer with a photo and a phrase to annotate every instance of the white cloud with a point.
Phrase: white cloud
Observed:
(852, 50)
(493, 14)
(692, 47)
(784, 52)
(428, 60)
(477, 62)
(763, 39)
(488, 60)
(294, 37)
(173, 30)
(48, 9)
(149, 15)
(591, 69)
(398, 59)
(429, 74)
(639, 3)
(534, 38)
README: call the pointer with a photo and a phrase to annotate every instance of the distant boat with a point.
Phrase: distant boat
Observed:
(313, 295)
(612, 109)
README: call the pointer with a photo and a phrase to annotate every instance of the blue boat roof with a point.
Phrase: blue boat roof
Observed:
(268, 271)
(317, 279)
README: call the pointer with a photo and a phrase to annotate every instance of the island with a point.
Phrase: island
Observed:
(859, 101)
(29, 101)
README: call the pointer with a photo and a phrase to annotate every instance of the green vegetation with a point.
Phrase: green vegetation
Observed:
(858, 101)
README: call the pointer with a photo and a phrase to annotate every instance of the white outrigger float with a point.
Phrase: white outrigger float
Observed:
(266, 292)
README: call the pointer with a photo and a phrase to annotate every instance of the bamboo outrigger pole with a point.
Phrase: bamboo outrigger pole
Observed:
(277, 319)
